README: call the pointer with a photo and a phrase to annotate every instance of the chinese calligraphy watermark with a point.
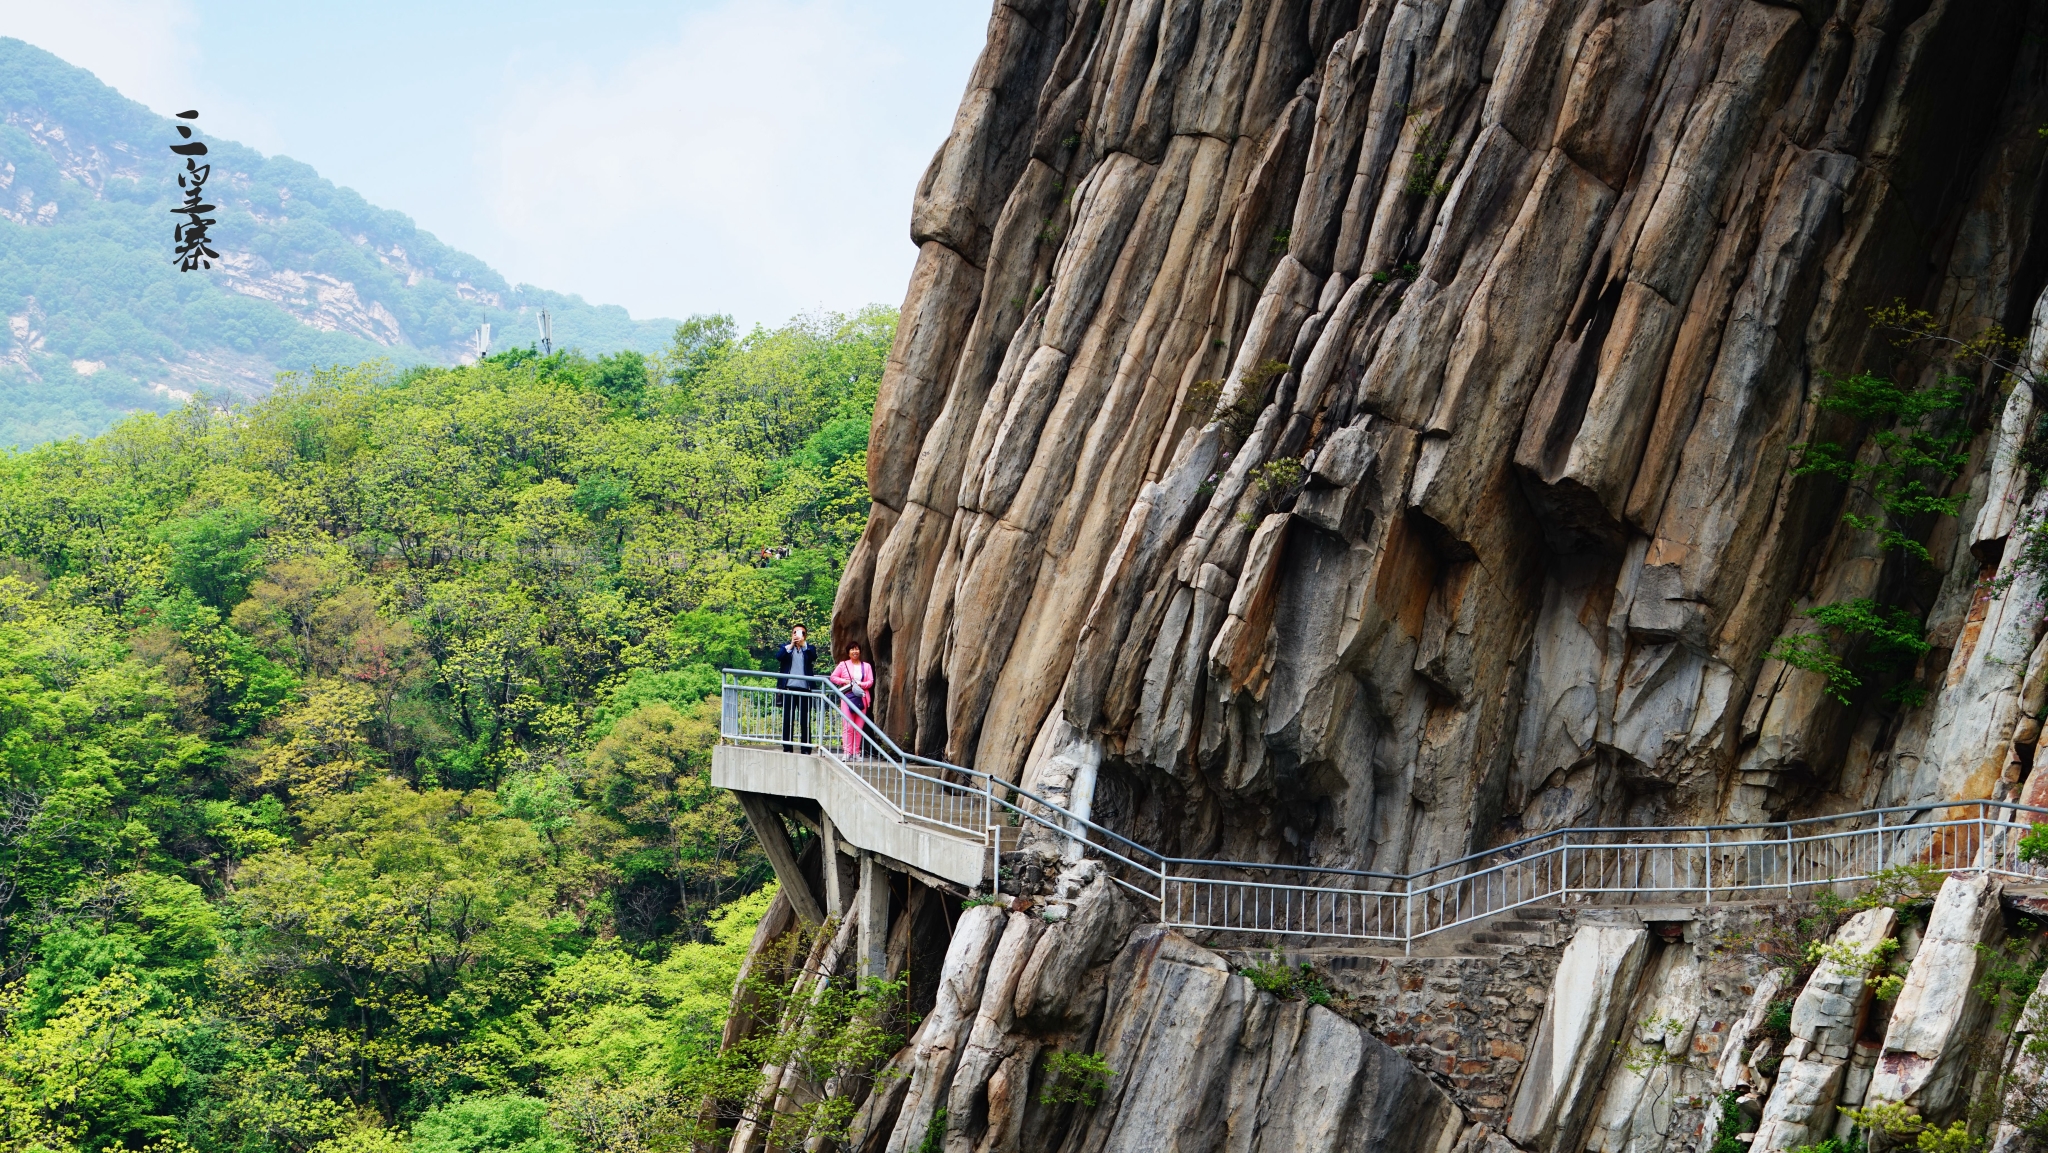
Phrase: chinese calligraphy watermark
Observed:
(192, 250)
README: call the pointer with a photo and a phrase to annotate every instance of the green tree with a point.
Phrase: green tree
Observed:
(486, 1123)
(354, 744)
(100, 1073)
(699, 342)
(621, 377)
(1917, 446)
(652, 775)
(397, 948)
(215, 554)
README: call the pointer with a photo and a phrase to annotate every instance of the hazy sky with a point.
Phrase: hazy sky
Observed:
(747, 156)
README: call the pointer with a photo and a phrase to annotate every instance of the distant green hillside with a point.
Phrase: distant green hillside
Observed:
(100, 322)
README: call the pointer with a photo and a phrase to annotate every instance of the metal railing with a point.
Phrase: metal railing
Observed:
(1678, 864)
(824, 721)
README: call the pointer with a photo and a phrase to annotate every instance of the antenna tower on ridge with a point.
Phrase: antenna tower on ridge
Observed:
(547, 333)
(483, 340)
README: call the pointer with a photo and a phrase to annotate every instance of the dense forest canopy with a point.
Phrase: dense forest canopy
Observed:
(354, 743)
(100, 321)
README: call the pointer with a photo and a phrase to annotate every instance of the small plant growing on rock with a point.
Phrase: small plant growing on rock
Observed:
(1901, 1122)
(1858, 959)
(1074, 1079)
(2011, 973)
(1645, 1059)
(1288, 982)
(1866, 961)
(1430, 151)
(1729, 1129)
(1778, 1019)
(2034, 846)
(1899, 886)
(1202, 397)
(1279, 476)
(1954, 1139)
(1242, 414)
(934, 1133)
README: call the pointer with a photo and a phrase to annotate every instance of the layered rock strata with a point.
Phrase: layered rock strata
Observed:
(1629, 1037)
(1357, 433)
(1361, 427)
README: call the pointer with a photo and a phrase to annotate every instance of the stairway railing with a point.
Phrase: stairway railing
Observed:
(1684, 864)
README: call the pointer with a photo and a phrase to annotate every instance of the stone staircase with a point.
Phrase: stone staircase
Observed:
(1536, 926)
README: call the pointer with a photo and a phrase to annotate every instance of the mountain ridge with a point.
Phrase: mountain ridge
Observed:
(101, 323)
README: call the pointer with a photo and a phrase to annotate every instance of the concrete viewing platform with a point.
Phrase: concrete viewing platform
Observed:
(859, 812)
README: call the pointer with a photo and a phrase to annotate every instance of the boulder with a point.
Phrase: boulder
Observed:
(1590, 998)
(1932, 1041)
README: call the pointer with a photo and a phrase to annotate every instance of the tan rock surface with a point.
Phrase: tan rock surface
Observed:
(1545, 291)
(1931, 1042)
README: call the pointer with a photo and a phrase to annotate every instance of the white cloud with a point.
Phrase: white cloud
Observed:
(755, 157)
(146, 48)
(749, 164)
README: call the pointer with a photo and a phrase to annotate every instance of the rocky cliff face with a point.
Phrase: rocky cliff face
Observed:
(1362, 428)
(1636, 1035)
(1359, 433)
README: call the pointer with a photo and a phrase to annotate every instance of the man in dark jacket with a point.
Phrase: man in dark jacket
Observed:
(796, 660)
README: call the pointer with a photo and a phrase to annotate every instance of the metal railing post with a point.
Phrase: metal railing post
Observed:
(1788, 860)
(1709, 831)
(1880, 841)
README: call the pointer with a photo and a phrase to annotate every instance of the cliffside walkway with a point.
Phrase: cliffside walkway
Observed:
(955, 823)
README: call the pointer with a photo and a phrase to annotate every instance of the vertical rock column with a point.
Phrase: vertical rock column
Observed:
(1636, 1109)
(1589, 1002)
(936, 1044)
(1825, 1020)
(873, 902)
(1930, 1042)
(2027, 1085)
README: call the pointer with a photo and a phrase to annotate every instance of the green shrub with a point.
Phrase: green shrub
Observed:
(934, 1133)
(481, 1123)
(1074, 1079)
(1277, 476)
(1288, 982)
(1778, 1019)
(1728, 1132)
(2034, 846)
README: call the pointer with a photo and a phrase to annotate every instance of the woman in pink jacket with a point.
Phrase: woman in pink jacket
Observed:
(856, 678)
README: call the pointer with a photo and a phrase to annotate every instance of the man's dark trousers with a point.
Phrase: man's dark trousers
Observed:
(795, 663)
(796, 715)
